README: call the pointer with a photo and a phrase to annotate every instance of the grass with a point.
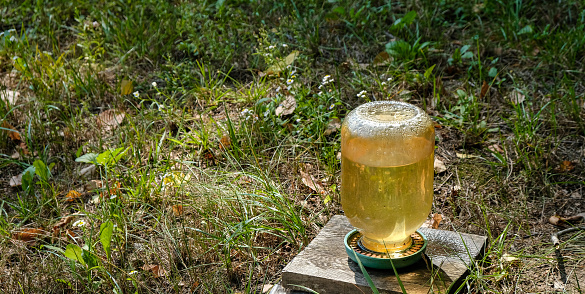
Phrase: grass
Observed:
(198, 188)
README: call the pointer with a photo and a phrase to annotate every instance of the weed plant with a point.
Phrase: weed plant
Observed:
(160, 146)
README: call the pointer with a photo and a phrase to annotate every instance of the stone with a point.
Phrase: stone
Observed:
(323, 266)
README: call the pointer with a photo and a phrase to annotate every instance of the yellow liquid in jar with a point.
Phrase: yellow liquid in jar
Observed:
(387, 203)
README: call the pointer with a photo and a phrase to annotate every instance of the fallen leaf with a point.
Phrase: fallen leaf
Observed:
(484, 89)
(517, 97)
(92, 185)
(62, 223)
(87, 171)
(558, 220)
(9, 96)
(332, 127)
(126, 87)
(436, 220)
(16, 181)
(23, 147)
(287, 106)
(267, 288)
(496, 148)
(12, 132)
(509, 259)
(381, 58)
(178, 210)
(439, 166)
(535, 51)
(312, 183)
(225, 143)
(28, 234)
(465, 156)
(110, 119)
(156, 270)
(566, 166)
(72, 196)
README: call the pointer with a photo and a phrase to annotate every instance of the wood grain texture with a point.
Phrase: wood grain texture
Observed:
(325, 267)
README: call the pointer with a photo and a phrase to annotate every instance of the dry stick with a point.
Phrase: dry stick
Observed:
(555, 237)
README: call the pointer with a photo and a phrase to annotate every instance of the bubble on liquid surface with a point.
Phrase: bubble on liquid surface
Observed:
(385, 133)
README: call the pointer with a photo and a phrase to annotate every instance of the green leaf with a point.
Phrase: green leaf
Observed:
(41, 170)
(74, 252)
(525, 30)
(90, 259)
(493, 72)
(111, 156)
(27, 177)
(87, 158)
(53, 248)
(106, 230)
(407, 19)
(467, 55)
(429, 71)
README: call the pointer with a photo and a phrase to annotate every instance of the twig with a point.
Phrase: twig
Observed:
(555, 237)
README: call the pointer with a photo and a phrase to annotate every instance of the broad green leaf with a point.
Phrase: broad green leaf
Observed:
(111, 156)
(53, 248)
(42, 170)
(87, 158)
(493, 72)
(74, 252)
(280, 66)
(90, 259)
(467, 55)
(27, 177)
(106, 230)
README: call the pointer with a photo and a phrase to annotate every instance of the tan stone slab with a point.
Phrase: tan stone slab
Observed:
(324, 266)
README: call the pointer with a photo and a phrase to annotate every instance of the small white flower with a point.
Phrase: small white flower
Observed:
(79, 223)
(320, 86)
(154, 84)
(284, 45)
(320, 92)
(278, 89)
(15, 58)
(13, 39)
(95, 24)
(289, 81)
(383, 83)
(389, 79)
(266, 54)
(113, 196)
(331, 106)
(362, 94)
(132, 273)
(266, 113)
(271, 47)
(136, 94)
(11, 30)
(298, 120)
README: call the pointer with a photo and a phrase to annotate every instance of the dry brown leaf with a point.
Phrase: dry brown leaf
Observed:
(28, 234)
(156, 270)
(287, 106)
(436, 220)
(178, 210)
(61, 224)
(535, 51)
(72, 196)
(312, 183)
(439, 166)
(566, 166)
(12, 132)
(92, 185)
(87, 171)
(509, 259)
(465, 156)
(332, 127)
(381, 58)
(496, 148)
(484, 89)
(266, 288)
(517, 96)
(110, 119)
(225, 143)
(558, 220)
(22, 146)
(126, 87)
(16, 181)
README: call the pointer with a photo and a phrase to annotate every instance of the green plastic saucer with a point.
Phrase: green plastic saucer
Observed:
(381, 260)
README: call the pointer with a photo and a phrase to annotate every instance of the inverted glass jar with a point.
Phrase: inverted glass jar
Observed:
(387, 150)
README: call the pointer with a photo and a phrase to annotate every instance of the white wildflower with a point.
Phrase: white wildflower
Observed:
(284, 45)
(79, 223)
(132, 273)
(362, 94)
(136, 94)
(13, 39)
(154, 84)
(298, 120)
(113, 196)
(331, 106)
(289, 81)
(389, 79)
(383, 83)
(271, 47)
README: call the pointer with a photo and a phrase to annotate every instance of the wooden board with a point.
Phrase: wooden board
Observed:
(324, 266)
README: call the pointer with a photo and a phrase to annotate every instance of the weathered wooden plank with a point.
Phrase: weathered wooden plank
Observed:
(325, 267)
